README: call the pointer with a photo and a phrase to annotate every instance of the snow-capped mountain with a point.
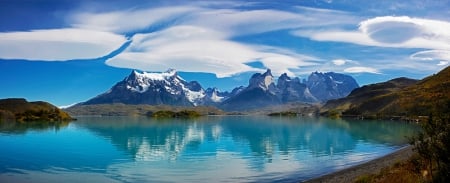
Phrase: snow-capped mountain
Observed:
(330, 85)
(154, 89)
(170, 89)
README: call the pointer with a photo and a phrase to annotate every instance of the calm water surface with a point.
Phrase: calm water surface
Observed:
(209, 149)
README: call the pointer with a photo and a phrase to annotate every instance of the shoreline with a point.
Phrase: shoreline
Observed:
(374, 166)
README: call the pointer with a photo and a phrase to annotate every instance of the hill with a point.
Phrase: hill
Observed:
(397, 97)
(18, 109)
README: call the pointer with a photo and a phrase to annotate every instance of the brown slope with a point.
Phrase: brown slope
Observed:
(400, 96)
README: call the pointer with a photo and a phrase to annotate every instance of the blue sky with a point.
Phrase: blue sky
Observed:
(65, 51)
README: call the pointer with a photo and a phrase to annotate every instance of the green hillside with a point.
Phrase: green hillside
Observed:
(397, 97)
(17, 109)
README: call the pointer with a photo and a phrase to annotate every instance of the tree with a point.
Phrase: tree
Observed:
(433, 143)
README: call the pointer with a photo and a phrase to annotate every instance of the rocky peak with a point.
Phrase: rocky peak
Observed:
(283, 80)
(237, 90)
(214, 95)
(292, 90)
(330, 85)
(263, 81)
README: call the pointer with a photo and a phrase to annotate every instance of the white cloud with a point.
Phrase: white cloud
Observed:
(389, 31)
(197, 49)
(440, 55)
(361, 70)
(192, 38)
(442, 63)
(58, 44)
(201, 40)
(393, 32)
(339, 62)
(231, 21)
(129, 20)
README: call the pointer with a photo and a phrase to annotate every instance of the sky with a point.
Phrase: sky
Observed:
(65, 51)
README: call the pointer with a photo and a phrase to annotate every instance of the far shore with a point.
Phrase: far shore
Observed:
(374, 166)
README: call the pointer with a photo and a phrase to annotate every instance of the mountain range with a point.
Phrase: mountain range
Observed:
(168, 88)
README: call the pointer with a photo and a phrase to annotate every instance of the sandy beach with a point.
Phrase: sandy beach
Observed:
(373, 166)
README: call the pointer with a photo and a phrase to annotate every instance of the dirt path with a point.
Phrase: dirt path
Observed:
(374, 166)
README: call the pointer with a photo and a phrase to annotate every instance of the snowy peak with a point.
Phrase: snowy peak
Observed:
(168, 81)
(169, 74)
(141, 81)
(214, 95)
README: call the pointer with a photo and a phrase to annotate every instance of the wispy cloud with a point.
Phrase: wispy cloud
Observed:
(361, 70)
(202, 39)
(431, 55)
(394, 32)
(339, 62)
(132, 20)
(58, 44)
(191, 38)
(205, 37)
(197, 49)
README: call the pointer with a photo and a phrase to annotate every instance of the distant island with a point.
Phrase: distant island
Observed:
(20, 110)
(185, 114)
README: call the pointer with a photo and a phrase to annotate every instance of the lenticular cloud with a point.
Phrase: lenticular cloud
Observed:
(407, 32)
(198, 49)
(58, 44)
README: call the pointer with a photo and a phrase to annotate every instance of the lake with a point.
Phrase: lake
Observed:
(207, 149)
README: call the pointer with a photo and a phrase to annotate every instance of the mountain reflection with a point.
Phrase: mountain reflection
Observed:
(227, 148)
(149, 140)
(11, 127)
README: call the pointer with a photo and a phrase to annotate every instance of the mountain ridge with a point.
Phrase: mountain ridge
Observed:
(167, 88)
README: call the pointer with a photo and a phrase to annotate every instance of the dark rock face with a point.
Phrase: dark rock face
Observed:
(261, 92)
(330, 85)
(291, 90)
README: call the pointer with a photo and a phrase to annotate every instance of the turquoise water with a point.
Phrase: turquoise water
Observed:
(208, 149)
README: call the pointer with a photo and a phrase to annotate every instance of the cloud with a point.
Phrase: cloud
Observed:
(200, 39)
(442, 63)
(58, 44)
(125, 21)
(192, 37)
(233, 21)
(198, 49)
(393, 32)
(361, 70)
(339, 62)
(390, 31)
(440, 55)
